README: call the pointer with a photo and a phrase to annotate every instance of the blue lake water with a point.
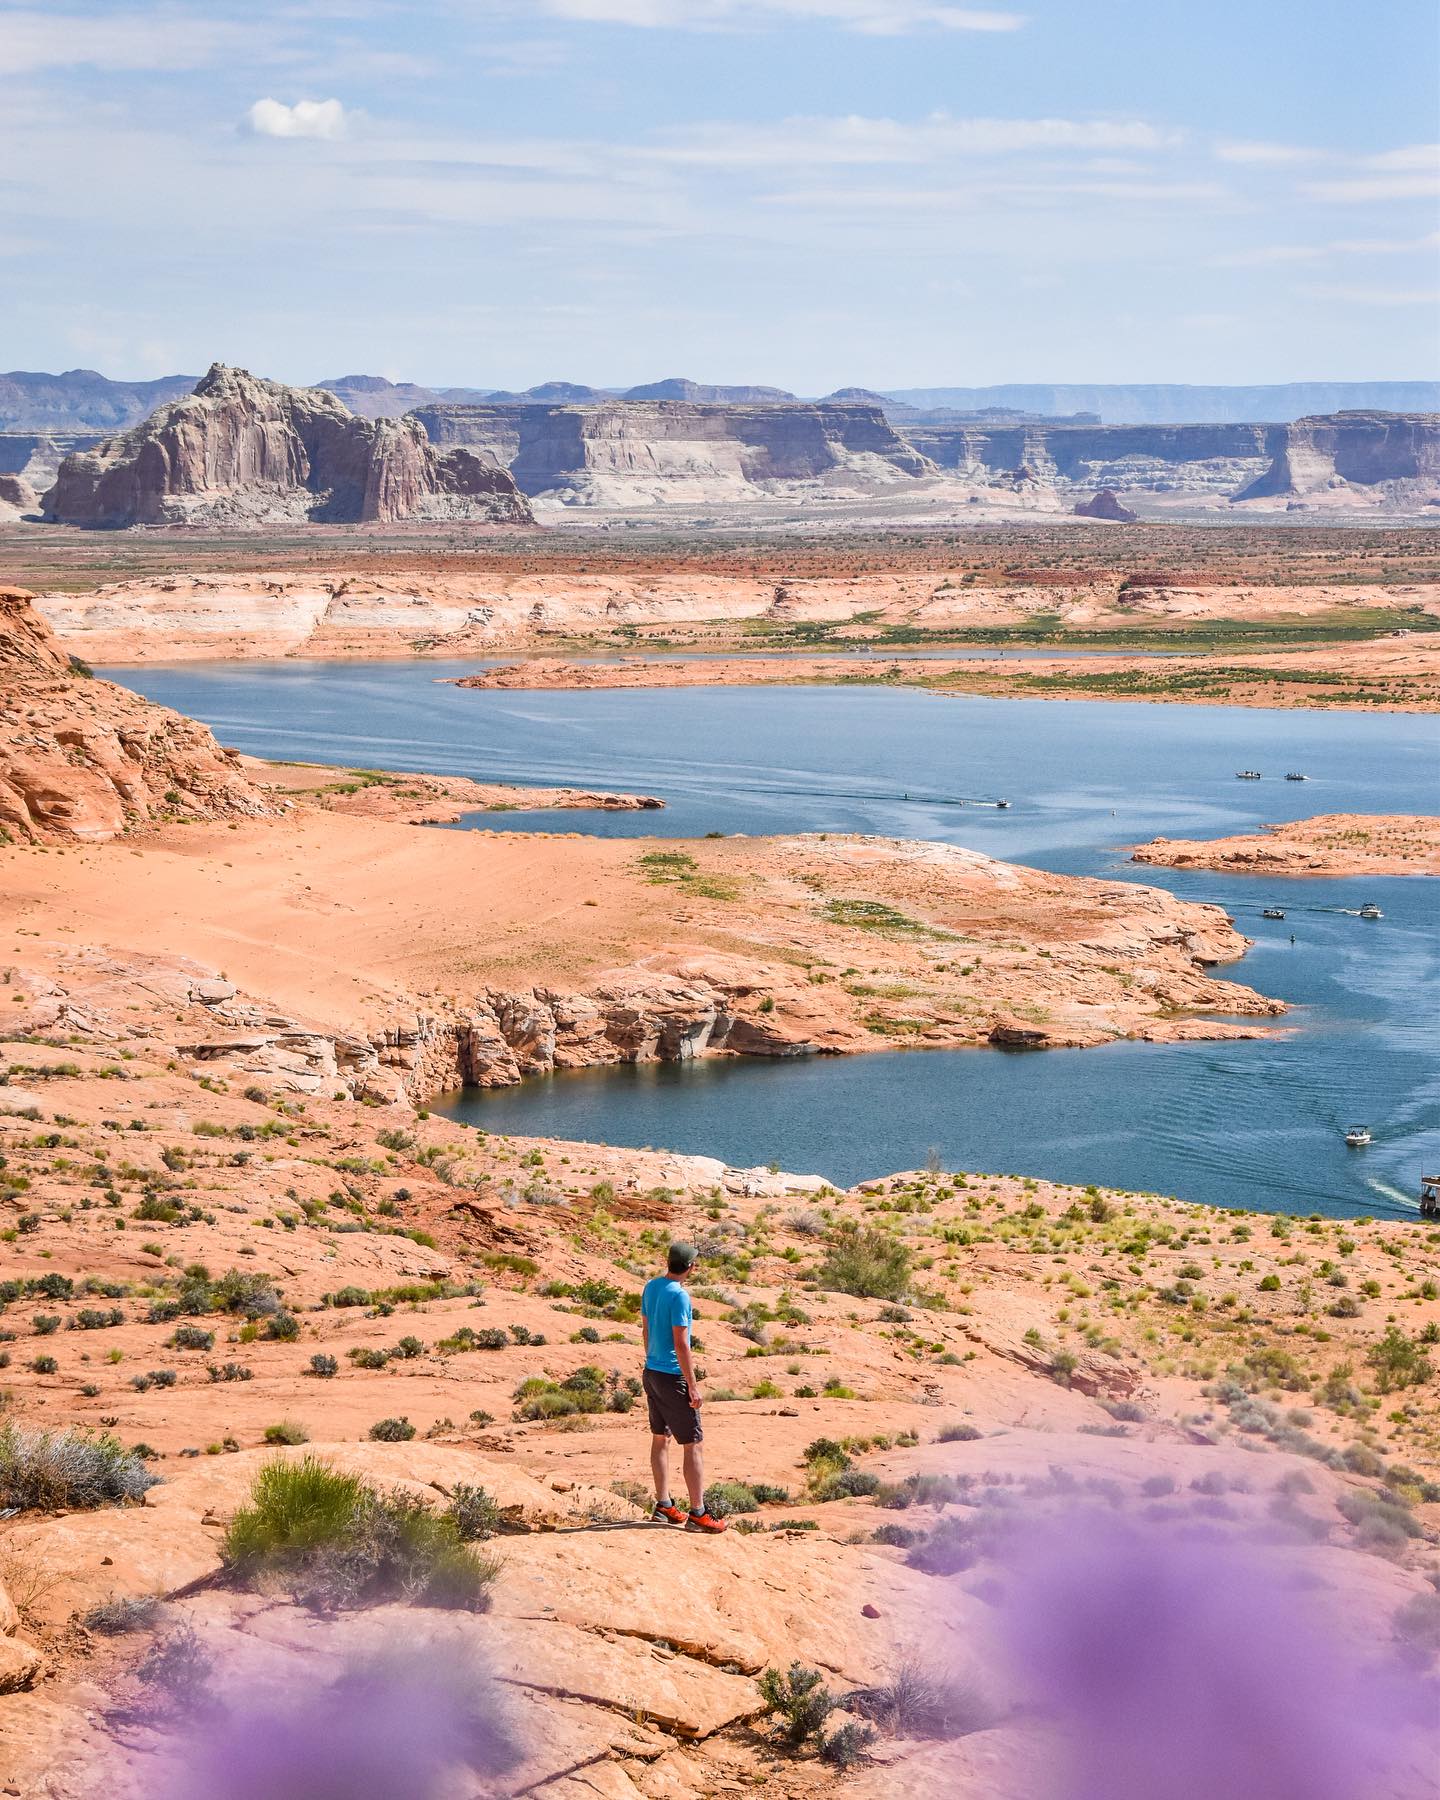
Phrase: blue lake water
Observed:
(1244, 1124)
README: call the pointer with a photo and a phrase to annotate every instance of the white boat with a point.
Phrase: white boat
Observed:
(1273, 912)
(1294, 776)
(1371, 911)
(1002, 806)
(1247, 774)
(1358, 1136)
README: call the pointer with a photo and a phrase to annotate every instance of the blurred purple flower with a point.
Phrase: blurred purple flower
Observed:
(394, 1729)
(1188, 1668)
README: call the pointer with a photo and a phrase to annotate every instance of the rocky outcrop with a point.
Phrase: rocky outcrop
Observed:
(17, 497)
(1105, 505)
(643, 451)
(1333, 844)
(240, 450)
(80, 758)
(1320, 455)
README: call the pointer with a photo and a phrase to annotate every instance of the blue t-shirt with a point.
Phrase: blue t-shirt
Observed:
(665, 1305)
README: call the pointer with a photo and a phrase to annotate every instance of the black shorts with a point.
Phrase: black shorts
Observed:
(671, 1414)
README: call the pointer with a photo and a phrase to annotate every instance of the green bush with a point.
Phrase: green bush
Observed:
(958, 1433)
(866, 1263)
(800, 1698)
(332, 1540)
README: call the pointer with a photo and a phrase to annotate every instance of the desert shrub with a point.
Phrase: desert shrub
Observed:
(1397, 1361)
(154, 1210)
(369, 1358)
(230, 1371)
(475, 1513)
(895, 1537)
(288, 1431)
(282, 1327)
(178, 1667)
(1381, 1521)
(67, 1471)
(724, 1498)
(918, 1703)
(950, 1547)
(1156, 1487)
(846, 1747)
(957, 1433)
(120, 1613)
(865, 1262)
(333, 1541)
(46, 1324)
(845, 1484)
(800, 1698)
(324, 1366)
(1417, 1626)
(44, 1365)
(91, 1318)
(587, 1390)
(1128, 1412)
(192, 1337)
(349, 1296)
(408, 1348)
(392, 1431)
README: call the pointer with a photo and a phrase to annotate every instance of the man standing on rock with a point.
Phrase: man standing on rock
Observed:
(672, 1392)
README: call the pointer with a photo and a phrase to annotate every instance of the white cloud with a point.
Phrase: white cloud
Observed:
(33, 40)
(878, 18)
(1375, 296)
(854, 140)
(1361, 188)
(305, 119)
(1265, 254)
(1245, 151)
(1411, 156)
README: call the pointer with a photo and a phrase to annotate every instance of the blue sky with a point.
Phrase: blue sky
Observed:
(800, 192)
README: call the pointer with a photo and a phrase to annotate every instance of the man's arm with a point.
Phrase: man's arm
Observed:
(681, 1334)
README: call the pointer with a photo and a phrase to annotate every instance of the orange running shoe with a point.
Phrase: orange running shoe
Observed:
(668, 1513)
(702, 1521)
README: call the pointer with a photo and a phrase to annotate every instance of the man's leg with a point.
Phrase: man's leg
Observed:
(695, 1476)
(660, 1465)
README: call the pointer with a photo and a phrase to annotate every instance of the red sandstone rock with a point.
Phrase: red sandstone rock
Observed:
(240, 450)
(1106, 505)
(81, 758)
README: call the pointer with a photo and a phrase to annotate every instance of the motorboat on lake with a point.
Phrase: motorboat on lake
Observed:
(1294, 775)
(1273, 912)
(1247, 774)
(1371, 911)
(1358, 1136)
(1002, 806)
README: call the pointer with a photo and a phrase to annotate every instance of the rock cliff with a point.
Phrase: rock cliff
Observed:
(240, 450)
(648, 451)
(81, 758)
(1320, 455)
(1213, 459)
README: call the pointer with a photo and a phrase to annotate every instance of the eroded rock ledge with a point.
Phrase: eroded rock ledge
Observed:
(1329, 844)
